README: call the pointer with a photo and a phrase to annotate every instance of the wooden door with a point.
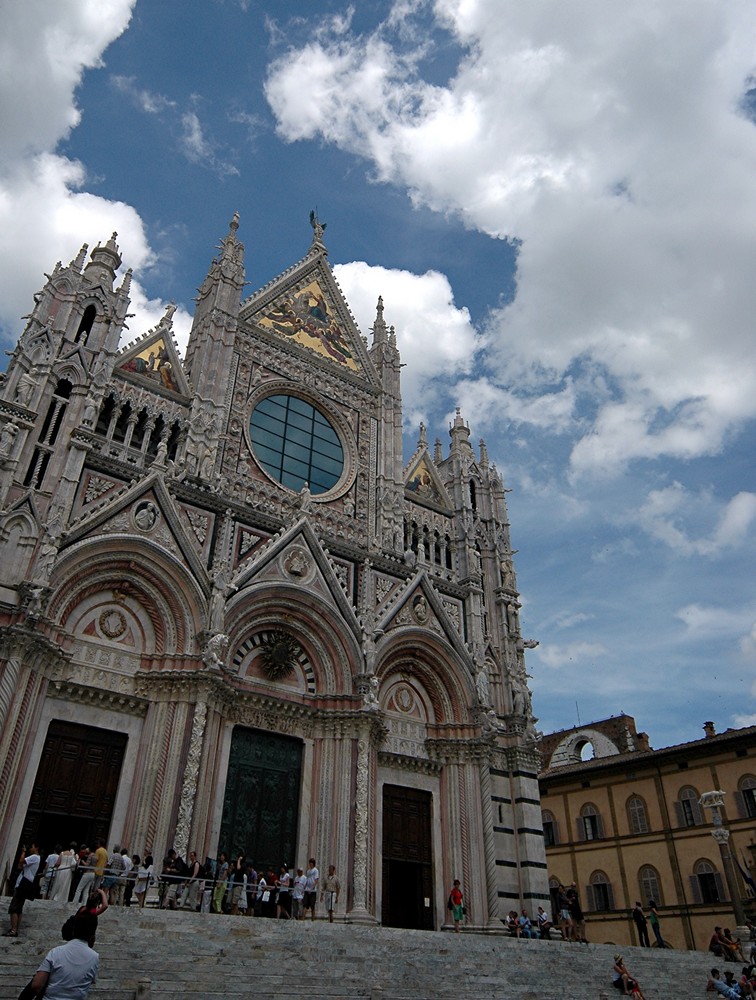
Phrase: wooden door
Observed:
(75, 788)
(407, 899)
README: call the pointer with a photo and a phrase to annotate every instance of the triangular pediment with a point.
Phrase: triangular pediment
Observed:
(153, 362)
(298, 559)
(146, 511)
(421, 606)
(423, 483)
(305, 307)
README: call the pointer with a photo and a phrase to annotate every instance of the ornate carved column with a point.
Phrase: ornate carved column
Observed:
(362, 831)
(191, 772)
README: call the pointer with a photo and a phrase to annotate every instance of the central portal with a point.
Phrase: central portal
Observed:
(261, 805)
(407, 858)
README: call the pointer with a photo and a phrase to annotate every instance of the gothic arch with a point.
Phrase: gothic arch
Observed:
(329, 644)
(147, 581)
(72, 371)
(570, 749)
(448, 683)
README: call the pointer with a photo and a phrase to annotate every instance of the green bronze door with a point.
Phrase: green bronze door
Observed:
(261, 806)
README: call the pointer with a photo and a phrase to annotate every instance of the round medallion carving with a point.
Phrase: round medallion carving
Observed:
(112, 624)
(146, 515)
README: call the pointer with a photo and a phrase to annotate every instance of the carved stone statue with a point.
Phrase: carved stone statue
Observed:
(215, 649)
(305, 498)
(370, 696)
(7, 437)
(146, 516)
(710, 800)
(222, 587)
(481, 684)
(25, 387)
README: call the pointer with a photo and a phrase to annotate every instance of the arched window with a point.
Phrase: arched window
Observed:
(473, 496)
(550, 829)
(554, 884)
(636, 816)
(706, 883)
(599, 892)
(649, 885)
(585, 750)
(746, 797)
(589, 826)
(687, 808)
(87, 322)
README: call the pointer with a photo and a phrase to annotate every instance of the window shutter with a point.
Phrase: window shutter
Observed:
(599, 827)
(698, 815)
(609, 896)
(741, 803)
(555, 831)
(679, 813)
(590, 901)
(580, 828)
(695, 888)
(721, 892)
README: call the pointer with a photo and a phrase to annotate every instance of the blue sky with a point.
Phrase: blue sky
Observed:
(558, 205)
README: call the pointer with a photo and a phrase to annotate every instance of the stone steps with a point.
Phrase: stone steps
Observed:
(186, 955)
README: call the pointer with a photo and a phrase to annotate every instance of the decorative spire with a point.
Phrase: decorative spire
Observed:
(438, 455)
(126, 283)
(379, 327)
(483, 453)
(233, 224)
(78, 262)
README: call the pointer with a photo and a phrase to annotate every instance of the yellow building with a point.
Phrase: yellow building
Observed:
(626, 825)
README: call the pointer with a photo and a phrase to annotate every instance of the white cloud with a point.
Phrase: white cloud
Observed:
(44, 212)
(578, 131)
(146, 100)
(665, 510)
(435, 337)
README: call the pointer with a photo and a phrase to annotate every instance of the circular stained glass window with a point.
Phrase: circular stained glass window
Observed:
(296, 444)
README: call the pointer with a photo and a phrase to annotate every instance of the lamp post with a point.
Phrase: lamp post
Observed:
(714, 801)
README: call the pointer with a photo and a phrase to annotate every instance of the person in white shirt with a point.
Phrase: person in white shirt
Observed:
(312, 876)
(68, 972)
(297, 894)
(24, 888)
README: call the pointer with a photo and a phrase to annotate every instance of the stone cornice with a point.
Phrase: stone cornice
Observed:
(420, 765)
(99, 697)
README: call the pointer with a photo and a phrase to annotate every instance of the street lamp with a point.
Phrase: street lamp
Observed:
(720, 833)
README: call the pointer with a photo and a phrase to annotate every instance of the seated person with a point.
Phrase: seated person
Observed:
(718, 945)
(734, 945)
(623, 981)
(526, 927)
(544, 924)
(716, 983)
(513, 924)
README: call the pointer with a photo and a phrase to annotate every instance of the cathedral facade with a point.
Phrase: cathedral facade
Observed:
(233, 618)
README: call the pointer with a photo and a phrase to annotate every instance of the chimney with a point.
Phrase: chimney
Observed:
(641, 742)
(708, 728)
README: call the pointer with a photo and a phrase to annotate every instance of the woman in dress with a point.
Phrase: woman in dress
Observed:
(145, 873)
(50, 862)
(64, 868)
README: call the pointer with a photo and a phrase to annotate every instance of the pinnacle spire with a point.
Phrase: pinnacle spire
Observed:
(318, 228)
(379, 327)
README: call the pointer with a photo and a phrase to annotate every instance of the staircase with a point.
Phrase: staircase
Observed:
(170, 955)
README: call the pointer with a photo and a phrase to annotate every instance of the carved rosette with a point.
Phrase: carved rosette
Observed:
(278, 655)
(191, 774)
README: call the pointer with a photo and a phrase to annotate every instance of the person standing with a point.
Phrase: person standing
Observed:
(50, 862)
(312, 876)
(101, 863)
(576, 914)
(221, 883)
(86, 881)
(455, 898)
(297, 894)
(566, 923)
(24, 888)
(330, 889)
(283, 903)
(653, 916)
(64, 868)
(70, 969)
(189, 898)
(641, 925)
(145, 875)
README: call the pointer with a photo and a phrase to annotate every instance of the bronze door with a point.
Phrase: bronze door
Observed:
(261, 805)
(76, 785)
(407, 858)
